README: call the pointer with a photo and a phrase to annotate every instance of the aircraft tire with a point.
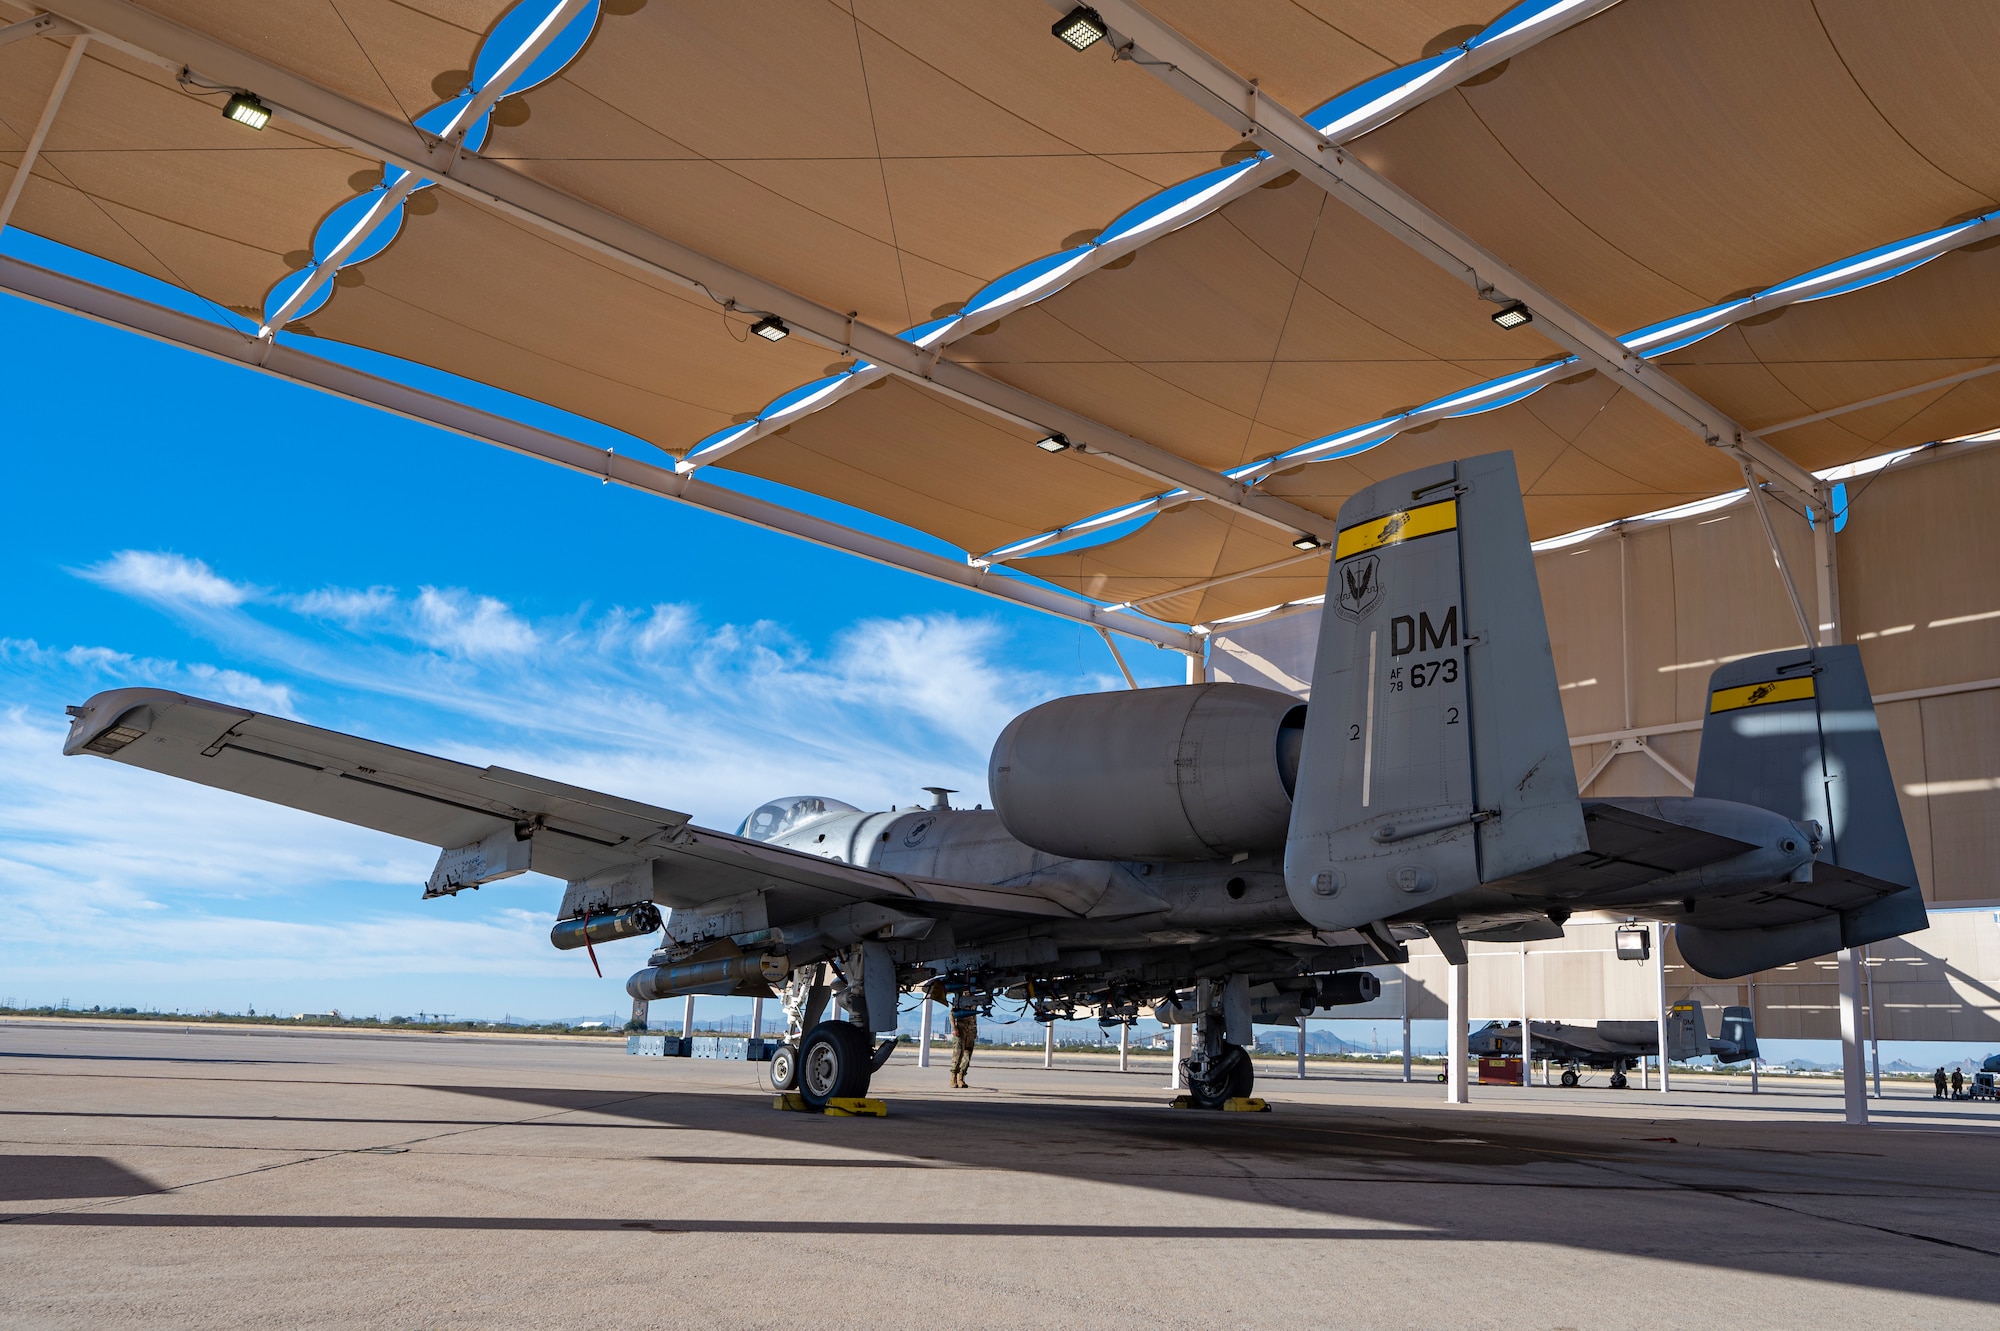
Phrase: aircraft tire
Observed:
(1618, 1082)
(784, 1069)
(1570, 1078)
(833, 1063)
(1234, 1079)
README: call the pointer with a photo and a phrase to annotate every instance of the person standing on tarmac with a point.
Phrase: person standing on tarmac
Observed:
(1938, 1081)
(964, 1033)
(1958, 1083)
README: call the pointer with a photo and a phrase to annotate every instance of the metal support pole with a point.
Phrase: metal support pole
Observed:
(1874, 1046)
(1196, 672)
(1118, 656)
(1176, 1051)
(1527, 1033)
(1458, 997)
(1826, 569)
(924, 1034)
(1778, 556)
(1124, 1046)
(1660, 969)
(1406, 1025)
(1049, 1044)
(34, 148)
(756, 1018)
(1853, 1073)
(1751, 998)
(1302, 1046)
(687, 1018)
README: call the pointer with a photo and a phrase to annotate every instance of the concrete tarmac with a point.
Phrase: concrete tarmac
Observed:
(247, 1177)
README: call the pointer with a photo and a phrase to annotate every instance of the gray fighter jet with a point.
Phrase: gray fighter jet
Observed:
(1614, 1046)
(1219, 853)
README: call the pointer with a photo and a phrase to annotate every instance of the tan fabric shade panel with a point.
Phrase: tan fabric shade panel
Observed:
(469, 291)
(1666, 155)
(1281, 318)
(1303, 53)
(888, 161)
(1932, 322)
(381, 52)
(1188, 545)
(143, 174)
(938, 466)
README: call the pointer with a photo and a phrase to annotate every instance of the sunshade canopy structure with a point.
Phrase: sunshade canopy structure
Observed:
(1122, 327)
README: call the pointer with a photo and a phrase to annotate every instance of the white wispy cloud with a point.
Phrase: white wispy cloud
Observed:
(108, 870)
(454, 620)
(168, 579)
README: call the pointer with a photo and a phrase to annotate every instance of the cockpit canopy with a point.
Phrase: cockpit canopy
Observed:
(788, 813)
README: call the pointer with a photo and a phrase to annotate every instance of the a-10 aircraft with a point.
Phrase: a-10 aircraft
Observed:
(1614, 1046)
(1219, 854)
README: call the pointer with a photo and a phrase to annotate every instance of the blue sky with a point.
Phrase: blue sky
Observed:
(172, 520)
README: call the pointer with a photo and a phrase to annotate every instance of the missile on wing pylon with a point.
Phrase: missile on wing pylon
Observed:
(718, 975)
(631, 922)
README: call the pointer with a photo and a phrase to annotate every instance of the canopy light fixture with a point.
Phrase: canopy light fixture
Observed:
(1054, 443)
(1082, 28)
(1514, 316)
(771, 328)
(1306, 543)
(245, 109)
(1634, 942)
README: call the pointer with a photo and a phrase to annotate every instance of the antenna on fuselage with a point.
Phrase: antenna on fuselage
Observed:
(940, 796)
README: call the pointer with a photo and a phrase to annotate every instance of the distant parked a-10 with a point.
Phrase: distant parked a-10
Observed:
(1217, 854)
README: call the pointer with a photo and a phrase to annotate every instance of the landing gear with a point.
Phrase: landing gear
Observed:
(1570, 1079)
(1217, 1071)
(784, 1068)
(834, 1063)
(1618, 1082)
(1215, 1079)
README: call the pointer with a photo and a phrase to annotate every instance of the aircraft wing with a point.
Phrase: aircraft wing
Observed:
(566, 832)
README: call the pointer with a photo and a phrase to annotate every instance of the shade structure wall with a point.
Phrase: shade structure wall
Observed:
(1935, 985)
(1638, 619)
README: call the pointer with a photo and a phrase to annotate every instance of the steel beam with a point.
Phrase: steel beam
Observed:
(41, 25)
(337, 119)
(29, 154)
(286, 361)
(1137, 36)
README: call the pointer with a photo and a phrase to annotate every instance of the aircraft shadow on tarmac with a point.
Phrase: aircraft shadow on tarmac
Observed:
(1619, 1185)
(53, 1178)
(1741, 1203)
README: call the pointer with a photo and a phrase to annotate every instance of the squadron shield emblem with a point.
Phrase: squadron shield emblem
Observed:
(1360, 587)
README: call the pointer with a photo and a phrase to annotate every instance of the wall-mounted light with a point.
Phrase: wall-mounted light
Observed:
(1634, 942)
(245, 109)
(1514, 316)
(1054, 443)
(771, 328)
(1306, 543)
(1081, 28)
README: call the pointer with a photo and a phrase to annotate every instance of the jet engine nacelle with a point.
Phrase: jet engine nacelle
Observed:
(1196, 772)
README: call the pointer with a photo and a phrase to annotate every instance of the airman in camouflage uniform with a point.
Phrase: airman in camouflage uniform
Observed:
(964, 1032)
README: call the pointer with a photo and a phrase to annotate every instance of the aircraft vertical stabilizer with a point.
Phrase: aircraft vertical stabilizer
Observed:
(1795, 732)
(1435, 754)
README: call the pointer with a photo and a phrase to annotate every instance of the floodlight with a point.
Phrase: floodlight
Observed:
(771, 328)
(245, 109)
(1634, 942)
(1054, 443)
(1306, 543)
(1514, 316)
(1082, 28)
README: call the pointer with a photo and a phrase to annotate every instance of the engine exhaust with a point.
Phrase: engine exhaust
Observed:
(673, 981)
(631, 922)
